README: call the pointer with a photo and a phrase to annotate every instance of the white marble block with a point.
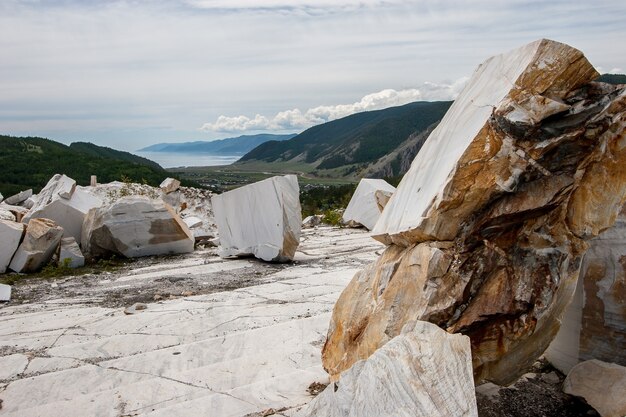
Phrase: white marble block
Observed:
(63, 202)
(261, 219)
(5, 292)
(368, 201)
(424, 371)
(11, 234)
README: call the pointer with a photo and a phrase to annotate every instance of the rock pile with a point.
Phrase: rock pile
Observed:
(51, 223)
(487, 230)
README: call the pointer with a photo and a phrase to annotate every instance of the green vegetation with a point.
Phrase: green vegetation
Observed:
(323, 199)
(612, 78)
(228, 177)
(29, 162)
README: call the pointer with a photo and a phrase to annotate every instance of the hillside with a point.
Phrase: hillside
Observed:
(29, 162)
(344, 146)
(238, 145)
(613, 78)
(109, 153)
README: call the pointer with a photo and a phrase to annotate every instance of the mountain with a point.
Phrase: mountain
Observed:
(350, 144)
(238, 145)
(29, 162)
(397, 162)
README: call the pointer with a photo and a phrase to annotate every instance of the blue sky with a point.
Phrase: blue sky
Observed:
(127, 74)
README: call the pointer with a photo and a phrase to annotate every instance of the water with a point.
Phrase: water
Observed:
(177, 159)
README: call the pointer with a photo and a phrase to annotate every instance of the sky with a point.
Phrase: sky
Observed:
(130, 73)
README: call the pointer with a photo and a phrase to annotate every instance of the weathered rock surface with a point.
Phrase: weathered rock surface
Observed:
(368, 201)
(261, 219)
(5, 292)
(601, 384)
(487, 230)
(594, 324)
(40, 242)
(133, 227)
(169, 185)
(19, 197)
(424, 371)
(11, 234)
(70, 254)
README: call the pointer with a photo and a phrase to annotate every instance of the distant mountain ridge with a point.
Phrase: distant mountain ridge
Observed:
(238, 145)
(347, 146)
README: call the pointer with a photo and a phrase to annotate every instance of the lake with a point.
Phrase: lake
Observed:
(177, 159)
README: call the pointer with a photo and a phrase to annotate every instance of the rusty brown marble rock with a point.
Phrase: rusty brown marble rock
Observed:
(487, 230)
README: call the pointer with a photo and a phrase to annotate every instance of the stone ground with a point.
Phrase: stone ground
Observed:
(218, 337)
(246, 341)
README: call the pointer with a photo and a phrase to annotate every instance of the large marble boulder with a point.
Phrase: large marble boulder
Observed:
(60, 200)
(261, 219)
(135, 226)
(11, 234)
(367, 202)
(488, 228)
(594, 324)
(601, 384)
(424, 371)
(40, 242)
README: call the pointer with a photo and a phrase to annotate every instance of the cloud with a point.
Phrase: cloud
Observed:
(616, 71)
(295, 119)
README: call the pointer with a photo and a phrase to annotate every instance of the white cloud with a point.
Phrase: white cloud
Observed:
(295, 119)
(616, 71)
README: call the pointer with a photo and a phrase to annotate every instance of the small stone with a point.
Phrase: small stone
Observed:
(169, 185)
(5, 292)
(137, 307)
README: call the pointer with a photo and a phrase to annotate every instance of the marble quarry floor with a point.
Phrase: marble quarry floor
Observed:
(66, 349)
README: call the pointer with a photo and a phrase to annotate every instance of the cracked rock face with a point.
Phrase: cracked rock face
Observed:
(487, 230)
(133, 227)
